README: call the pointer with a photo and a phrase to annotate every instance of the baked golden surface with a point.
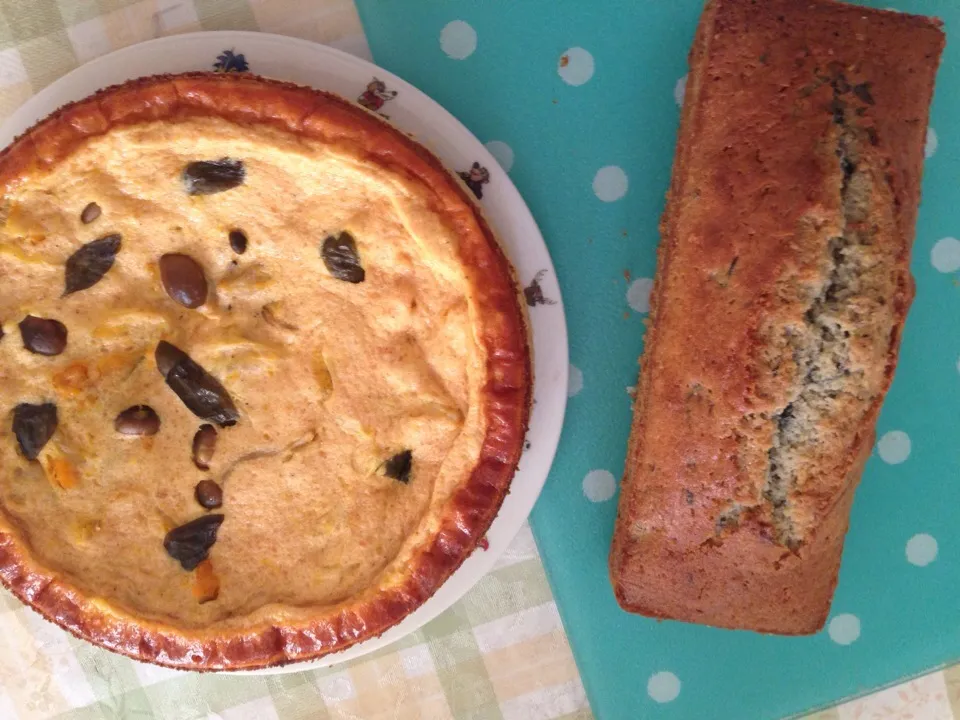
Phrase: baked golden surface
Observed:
(782, 286)
(369, 366)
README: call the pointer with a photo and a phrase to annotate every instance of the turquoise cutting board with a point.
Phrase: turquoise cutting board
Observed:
(900, 581)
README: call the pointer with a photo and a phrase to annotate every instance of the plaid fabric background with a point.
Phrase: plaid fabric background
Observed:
(499, 653)
(40, 40)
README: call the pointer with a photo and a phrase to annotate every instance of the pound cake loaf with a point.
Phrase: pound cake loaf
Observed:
(781, 291)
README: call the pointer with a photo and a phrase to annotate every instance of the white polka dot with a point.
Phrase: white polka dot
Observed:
(930, 147)
(678, 91)
(844, 629)
(894, 447)
(599, 485)
(575, 66)
(921, 550)
(638, 294)
(663, 687)
(503, 154)
(610, 183)
(945, 255)
(574, 381)
(458, 39)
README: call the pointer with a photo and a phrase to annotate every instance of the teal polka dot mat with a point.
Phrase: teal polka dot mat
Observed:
(578, 101)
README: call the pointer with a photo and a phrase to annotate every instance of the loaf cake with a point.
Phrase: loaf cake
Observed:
(781, 290)
(264, 372)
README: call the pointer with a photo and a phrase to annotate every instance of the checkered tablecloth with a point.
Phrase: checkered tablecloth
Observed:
(501, 652)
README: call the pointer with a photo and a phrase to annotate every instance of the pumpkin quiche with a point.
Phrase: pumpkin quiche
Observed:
(264, 373)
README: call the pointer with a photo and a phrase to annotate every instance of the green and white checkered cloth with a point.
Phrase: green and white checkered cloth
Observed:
(501, 652)
(40, 40)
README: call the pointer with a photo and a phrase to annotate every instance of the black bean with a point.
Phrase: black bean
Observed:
(208, 494)
(183, 279)
(202, 393)
(90, 213)
(87, 266)
(238, 241)
(204, 445)
(33, 426)
(137, 420)
(190, 544)
(43, 336)
(166, 356)
(340, 255)
(398, 467)
(206, 177)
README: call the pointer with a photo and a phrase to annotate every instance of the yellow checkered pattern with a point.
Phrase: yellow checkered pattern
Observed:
(40, 40)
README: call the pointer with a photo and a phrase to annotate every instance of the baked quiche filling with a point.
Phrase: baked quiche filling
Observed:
(239, 372)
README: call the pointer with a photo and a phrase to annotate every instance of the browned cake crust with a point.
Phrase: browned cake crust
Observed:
(501, 329)
(782, 286)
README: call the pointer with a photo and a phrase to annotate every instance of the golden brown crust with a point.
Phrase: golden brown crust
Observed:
(757, 190)
(471, 509)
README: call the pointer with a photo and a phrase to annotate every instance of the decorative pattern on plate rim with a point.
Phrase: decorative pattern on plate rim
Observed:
(231, 61)
(475, 178)
(376, 96)
(534, 292)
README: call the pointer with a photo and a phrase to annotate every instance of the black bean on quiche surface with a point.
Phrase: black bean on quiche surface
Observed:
(204, 445)
(166, 356)
(43, 336)
(89, 213)
(398, 467)
(87, 266)
(339, 253)
(183, 279)
(33, 426)
(238, 241)
(137, 420)
(209, 494)
(208, 177)
(202, 393)
(190, 543)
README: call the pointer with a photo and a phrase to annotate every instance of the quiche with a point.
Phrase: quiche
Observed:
(264, 371)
